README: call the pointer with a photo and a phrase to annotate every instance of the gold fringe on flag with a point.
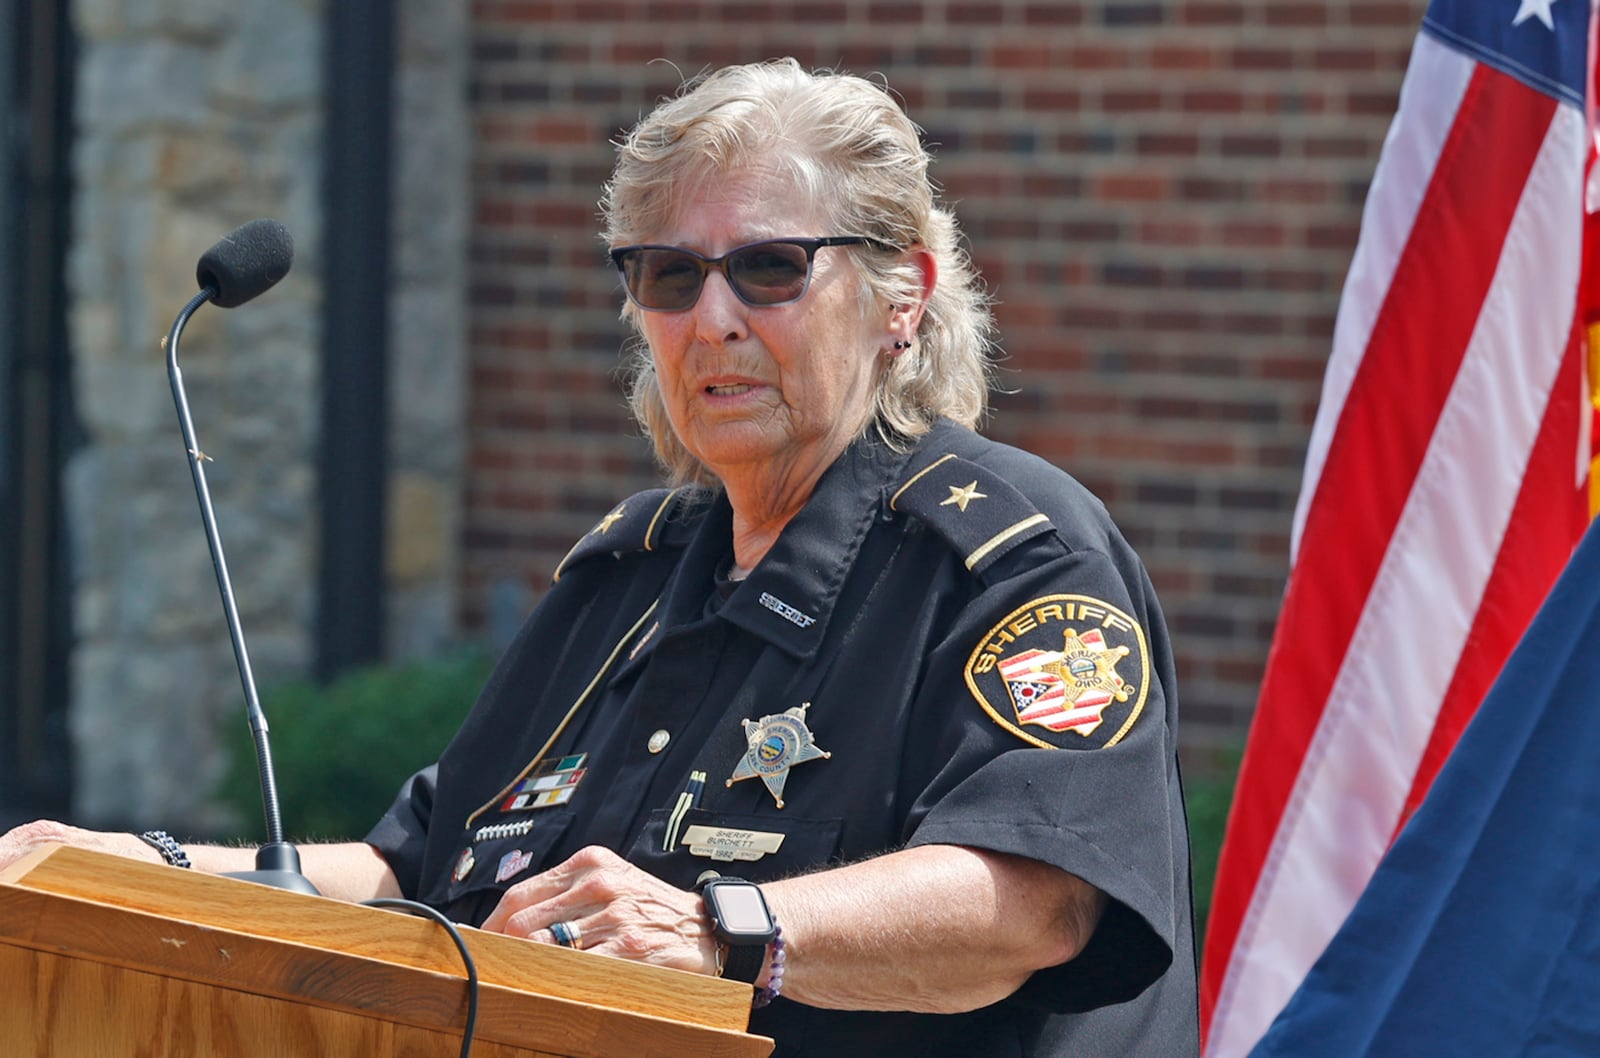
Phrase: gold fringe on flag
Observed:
(1594, 400)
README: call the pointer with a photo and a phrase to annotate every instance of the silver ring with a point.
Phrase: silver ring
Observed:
(567, 934)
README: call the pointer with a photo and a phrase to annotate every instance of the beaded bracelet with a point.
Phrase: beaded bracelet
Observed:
(168, 846)
(774, 983)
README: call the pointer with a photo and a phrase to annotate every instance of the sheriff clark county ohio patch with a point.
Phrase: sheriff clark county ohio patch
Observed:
(1063, 671)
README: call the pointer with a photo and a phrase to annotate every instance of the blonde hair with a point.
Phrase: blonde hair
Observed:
(847, 145)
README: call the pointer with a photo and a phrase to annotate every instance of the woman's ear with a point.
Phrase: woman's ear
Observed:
(905, 319)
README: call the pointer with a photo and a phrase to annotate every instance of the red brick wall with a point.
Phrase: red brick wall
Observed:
(1164, 195)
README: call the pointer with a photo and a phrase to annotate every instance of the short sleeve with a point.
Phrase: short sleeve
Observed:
(401, 836)
(1049, 706)
(1069, 811)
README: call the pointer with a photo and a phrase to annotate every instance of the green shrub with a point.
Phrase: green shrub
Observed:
(341, 750)
(1208, 796)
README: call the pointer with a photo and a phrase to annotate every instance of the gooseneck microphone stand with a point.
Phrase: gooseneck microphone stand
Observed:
(277, 862)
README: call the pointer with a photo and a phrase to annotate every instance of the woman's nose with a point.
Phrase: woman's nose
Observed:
(720, 316)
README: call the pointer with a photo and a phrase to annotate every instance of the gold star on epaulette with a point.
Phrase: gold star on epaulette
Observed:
(609, 520)
(963, 496)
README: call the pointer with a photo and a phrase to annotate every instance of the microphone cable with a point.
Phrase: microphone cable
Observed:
(412, 907)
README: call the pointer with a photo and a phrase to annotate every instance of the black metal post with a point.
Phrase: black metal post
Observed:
(354, 459)
(36, 412)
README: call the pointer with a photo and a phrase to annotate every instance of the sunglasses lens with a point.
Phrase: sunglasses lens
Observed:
(770, 273)
(663, 279)
(669, 280)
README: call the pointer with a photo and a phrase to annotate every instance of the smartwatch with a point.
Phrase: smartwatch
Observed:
(742, 924)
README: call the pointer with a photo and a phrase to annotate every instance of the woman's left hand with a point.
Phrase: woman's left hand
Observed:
(617, 909)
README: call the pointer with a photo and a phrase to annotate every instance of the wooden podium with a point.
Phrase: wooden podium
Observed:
(105, 957)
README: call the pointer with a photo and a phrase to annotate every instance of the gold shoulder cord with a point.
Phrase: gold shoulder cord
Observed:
(1001, 537)
(916, 478)
(565, 720)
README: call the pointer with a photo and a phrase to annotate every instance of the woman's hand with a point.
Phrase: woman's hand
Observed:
(30, 836)
(618, 909)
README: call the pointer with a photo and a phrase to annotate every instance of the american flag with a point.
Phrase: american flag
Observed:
(1445, 485)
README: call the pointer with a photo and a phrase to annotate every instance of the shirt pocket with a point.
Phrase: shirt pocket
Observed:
(679, 848)
(507, 853)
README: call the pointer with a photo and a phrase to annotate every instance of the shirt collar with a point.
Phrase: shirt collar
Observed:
(789, 598)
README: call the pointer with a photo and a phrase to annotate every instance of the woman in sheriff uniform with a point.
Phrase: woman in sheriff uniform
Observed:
(866, 710)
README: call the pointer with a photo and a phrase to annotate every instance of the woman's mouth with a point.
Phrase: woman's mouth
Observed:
(731, 389)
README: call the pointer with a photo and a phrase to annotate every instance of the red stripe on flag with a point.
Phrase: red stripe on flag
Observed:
(1395, 399)
(1548, 519)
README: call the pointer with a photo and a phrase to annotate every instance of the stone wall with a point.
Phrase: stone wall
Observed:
(192, 118)
(428, 327)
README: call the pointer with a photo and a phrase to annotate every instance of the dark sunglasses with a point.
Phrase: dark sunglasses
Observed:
(770, 272)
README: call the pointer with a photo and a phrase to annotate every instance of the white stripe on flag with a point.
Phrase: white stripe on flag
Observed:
(1434, 83)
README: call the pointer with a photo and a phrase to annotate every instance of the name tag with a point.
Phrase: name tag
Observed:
(721, 843)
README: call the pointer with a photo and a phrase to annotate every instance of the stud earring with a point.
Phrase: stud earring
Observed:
(902, 345)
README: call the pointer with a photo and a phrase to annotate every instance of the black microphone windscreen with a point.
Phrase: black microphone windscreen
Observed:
(245, 262)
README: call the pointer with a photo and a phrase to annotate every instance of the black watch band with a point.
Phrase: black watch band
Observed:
(741, 922)
(742, 962)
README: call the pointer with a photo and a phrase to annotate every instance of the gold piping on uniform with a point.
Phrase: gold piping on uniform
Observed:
(555, 577)
(651, 532)
(1001, 537)
(565, 720)
(917, 478)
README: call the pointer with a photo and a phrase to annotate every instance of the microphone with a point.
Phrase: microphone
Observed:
(244, 263)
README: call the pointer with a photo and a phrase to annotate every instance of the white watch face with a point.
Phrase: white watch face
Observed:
(741, 910)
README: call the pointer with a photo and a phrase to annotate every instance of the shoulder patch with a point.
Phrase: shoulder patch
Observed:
(635, 524)
(1063, 671)
(978, 512)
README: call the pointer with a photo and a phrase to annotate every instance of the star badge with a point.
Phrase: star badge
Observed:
(963, 496)
(609, 520)
(777, 743)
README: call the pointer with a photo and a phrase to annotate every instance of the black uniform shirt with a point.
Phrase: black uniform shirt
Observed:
(977, 658)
